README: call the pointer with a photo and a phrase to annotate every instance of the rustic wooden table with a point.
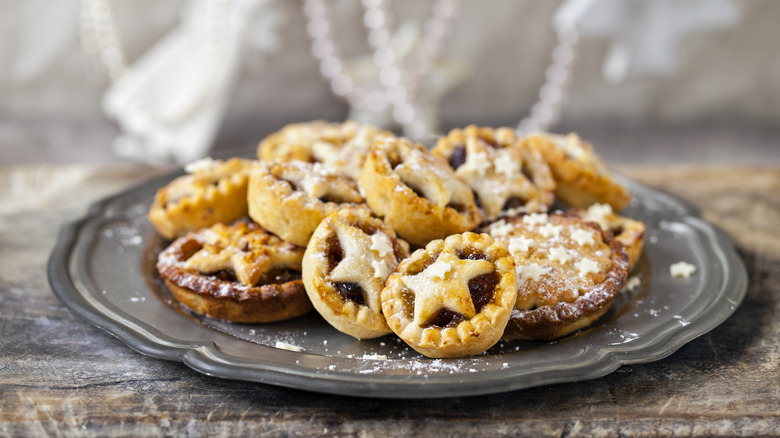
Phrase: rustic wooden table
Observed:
(62, 376)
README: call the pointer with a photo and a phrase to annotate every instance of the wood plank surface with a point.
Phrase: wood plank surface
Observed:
(61, 376)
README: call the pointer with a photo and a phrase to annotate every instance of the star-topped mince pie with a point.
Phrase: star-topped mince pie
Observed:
(291, 198)
(629, 232)
(238, 273)
(213, 191)
(345, 266)
(504, 172)
(568, 273)
(452, 298)
(581, 176)
(339, 146)
(417, 193)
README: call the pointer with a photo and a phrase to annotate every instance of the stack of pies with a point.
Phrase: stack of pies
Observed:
(451, 249)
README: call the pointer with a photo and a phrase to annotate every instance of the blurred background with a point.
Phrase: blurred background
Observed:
(164, 81)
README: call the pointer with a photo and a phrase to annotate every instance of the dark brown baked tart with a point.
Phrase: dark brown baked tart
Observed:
(568, 273)
(238, 273)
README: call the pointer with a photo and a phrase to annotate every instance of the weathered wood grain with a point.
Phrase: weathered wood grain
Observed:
(61, 376)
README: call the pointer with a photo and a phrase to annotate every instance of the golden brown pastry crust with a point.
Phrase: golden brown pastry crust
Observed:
(629, 232)
(416, 193)
(237, 273)
(290, 199)
(581, 176)
(504, 172)
(339, 146)
(568, 273)
(214, 191)
(453, 298)
(345, 266)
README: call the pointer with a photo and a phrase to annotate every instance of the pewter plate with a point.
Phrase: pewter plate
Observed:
(102, 268)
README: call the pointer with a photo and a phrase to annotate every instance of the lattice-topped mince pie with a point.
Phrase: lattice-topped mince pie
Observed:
(238, 273)
(581, 176)
(291, 198)
(504, 172)
(629, 232)
(452, 298)
(568, 273)
(339, 146)
(415, 192)
(345, 266)
(213, 191)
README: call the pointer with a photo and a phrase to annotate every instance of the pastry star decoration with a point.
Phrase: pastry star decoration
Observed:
(477, 163)
(494, 175)
(583, 237)
(359, 262)
(415, 172)
(434, 293)
(599, 213)
(507, 167)
(259, 255)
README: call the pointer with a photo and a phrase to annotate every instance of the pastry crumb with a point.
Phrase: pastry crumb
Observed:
(289, 347)
(374, 357)
(682, 269)
(632, 283)
(200, 165)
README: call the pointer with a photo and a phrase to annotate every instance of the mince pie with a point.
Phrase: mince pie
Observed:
(504, 172)
(629, 232)
(581, 176)
(291, 198)
(340, 146)
(452, 298)
(415, 192)
(213, 191)
(568, 273)
(238, 273)
(345, 266)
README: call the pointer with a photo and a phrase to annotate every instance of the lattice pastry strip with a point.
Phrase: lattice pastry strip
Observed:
(452, 298)
(505, 173)
(213, 191)
(345, 267)
(416, 193)
(244, 251)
